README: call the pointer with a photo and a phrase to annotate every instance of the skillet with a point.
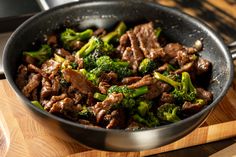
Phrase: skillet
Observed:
(176, 25)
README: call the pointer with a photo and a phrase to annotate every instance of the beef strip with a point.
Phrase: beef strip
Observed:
(76, 45)
(166, 98)
(130, 80)
(21, 79)
(155, 89)
(78, 81)
(34, 69)
(146, 80)
(48, 104)
(202, 66)
(207, 96)
(99, 32)
(185, 68)
(124, 42)
(52, 40)
(62, 52)
(103, 87)
(110, 77)
(51, 68)
(191, 108)
(117, 119)
(33, 82)
(47, 89)
(102, 108)
(148, 40)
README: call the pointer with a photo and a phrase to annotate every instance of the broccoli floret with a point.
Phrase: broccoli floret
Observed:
(168, 112)
(43, 54)
(184, 90)
(150, 120)
(128, 103)
(95, 44)
(106, 64)
(70, 35)
(144, 107)
(147, 65)
(116, 34)
(127, 92)
(85, 113)
(90, 76)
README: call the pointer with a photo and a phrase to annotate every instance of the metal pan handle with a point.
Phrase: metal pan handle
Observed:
(232, 49)
(47, 4)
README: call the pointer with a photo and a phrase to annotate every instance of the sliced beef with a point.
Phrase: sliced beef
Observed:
(202, 66)
(191, 108)
(130, 80)
(171, 52)
(62, 52)
(76, 45)
(78, 81)
(21, 79)
(185, 68)
(117, 120)
(33, 82)
(34, 69)
(53, 99)
(110, 77)
(102, 108)
(30, 60)
(145, 81)
(52, 40)
(148, 40)
(99, 32)
(51, 68)
(207, 96)
(155, 89)
(166, 98)
(48, 88)
(103, 87)
(124, 42)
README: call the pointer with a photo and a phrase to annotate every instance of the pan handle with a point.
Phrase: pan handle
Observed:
(232, 49)
(47, 4)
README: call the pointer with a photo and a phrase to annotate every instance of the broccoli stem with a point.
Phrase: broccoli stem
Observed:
(37, 104)
(157, 31)
(120, 29)
(161, 77)
(99, 96)
(140, 91)
(87, 48)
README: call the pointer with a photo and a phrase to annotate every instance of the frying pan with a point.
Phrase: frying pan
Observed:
(176, 25)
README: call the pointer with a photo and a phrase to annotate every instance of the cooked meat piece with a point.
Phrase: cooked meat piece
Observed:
(78, 81)
(130, 80)
(147, 40)
(202, 66)
(62, 52)
(155, 89)
(32, 68)
(171, 50)
(103, 87)
(163, 68)
(124, 42)
(137, 53)
(52, 40)
(80, 63)
(30, 60)
(146, 80)
(101, 108)
(110, 77)
(166, 98)
(76, 45)
(33, 83)
(53, 100)
(90, 99)
(133, 125)
(51, 67)
(21, 79)
(47, 89)
(85, 122)
(204, 94)
(67, 104)
(182, 57)
(117, 119)
(190, 108)
(34, 95)
(99, 32)
(187, 67)
(56, 84)
(77, 97)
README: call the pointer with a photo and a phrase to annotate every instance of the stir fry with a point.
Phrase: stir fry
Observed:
(128, 78)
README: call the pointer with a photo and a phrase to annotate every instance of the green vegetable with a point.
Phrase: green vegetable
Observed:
(116, 34)
(85, 113)
(144, 107)
(184, 90)
(157, 31)
(99, 96)
(150, 120)
(37, 104)
(147, 65)
(70, 35)
(90, 76)
(127, 92)
(95, 44)
(106, 64)
(43, 54)
(168, 112)
(58, 58)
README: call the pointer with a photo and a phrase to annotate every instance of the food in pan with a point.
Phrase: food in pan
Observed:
(127, 78)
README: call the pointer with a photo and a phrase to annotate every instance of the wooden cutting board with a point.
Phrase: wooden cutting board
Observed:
(22, 136)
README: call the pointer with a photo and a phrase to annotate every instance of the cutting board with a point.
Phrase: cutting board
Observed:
(22, 136)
